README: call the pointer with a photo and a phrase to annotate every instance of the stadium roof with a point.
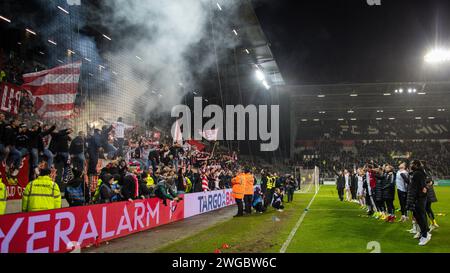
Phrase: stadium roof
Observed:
(255, 41)
(373, 101)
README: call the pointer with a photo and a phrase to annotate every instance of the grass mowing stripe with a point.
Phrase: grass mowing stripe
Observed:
(297, 225)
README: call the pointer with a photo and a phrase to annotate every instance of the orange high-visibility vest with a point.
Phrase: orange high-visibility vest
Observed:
(238, 184)
(248, 187)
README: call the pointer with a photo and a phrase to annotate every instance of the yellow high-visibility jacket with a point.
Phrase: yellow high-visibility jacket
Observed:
(41, 194)
(97, 191)
(270, 182)
(3, 197)
(150, 181)
(188, 184)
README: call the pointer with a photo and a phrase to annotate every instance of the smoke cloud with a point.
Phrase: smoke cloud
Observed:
(155, 45)
(155, 51)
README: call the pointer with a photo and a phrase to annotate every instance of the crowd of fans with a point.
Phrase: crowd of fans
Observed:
(332, 154)
(109, 163)
(140, 166)
(116, 163)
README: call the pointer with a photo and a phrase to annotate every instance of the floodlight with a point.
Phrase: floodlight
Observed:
(438, 55)
(260, 75)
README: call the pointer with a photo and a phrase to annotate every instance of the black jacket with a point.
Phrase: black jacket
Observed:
(60, 142)
(388, 188)
(196, 182)
(93, 143)
(180, 183)
(106, 193)
(41, 136)
(75, 183)
(354, 182)
(77, 146)
(365, 183)
(381, 182)
(264, 183)
(2, 130)
(129, 187)
(431, 194)
(23, 140)
(34, 138)
(143, 190)
(415, 189)
(340, 184)
(104, 136)
(9, 135)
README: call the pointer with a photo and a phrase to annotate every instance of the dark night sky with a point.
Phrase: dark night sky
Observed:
(324, 41)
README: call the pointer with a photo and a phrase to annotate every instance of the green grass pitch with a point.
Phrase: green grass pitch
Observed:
(329, 226)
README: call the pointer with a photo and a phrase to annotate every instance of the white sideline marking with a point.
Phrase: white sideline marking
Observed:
(297, 225)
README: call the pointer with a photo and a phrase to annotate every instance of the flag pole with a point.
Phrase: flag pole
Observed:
(214, 147)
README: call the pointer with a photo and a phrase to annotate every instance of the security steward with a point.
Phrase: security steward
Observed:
(238, 184)
(41, 193)
(249, 180)
(3, 197)
(271, 180)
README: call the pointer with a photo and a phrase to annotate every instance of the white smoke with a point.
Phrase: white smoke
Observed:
(154, 47)
(158, 53)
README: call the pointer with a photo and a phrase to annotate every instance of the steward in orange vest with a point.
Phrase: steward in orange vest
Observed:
(238, 186)
(248, 190)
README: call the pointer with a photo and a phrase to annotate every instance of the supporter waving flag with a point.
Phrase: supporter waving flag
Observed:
(54, 90)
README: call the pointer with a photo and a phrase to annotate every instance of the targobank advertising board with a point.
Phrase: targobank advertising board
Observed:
(202, 202)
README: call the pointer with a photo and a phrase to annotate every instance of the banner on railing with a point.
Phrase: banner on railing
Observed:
(201, 202)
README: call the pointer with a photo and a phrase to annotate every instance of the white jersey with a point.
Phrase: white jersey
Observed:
(360, 185)
(400, 182)
(119, 129)
(347, 181)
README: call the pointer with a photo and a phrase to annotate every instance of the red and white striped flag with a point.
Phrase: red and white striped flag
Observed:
(54, 90)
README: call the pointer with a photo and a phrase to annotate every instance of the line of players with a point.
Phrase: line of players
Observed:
(373, 187)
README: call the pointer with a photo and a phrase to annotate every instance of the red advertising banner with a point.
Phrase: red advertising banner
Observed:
(9, 98)
(16, 185)
(63, 229)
